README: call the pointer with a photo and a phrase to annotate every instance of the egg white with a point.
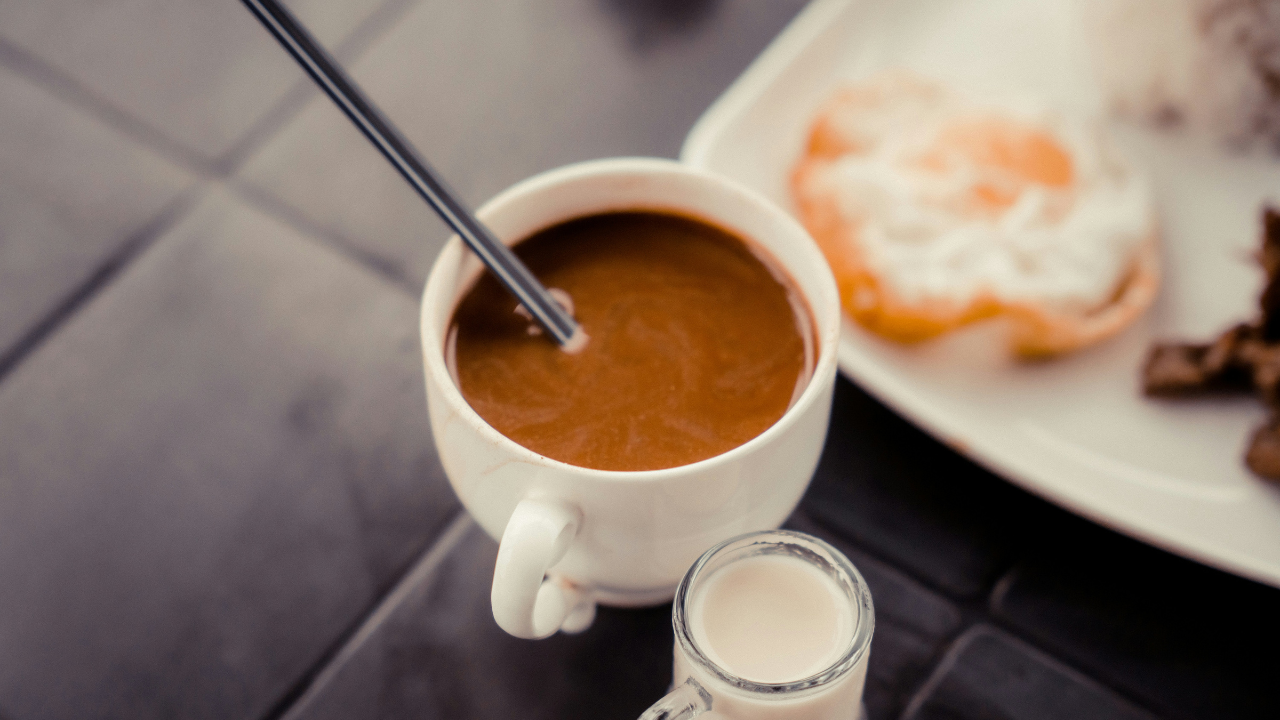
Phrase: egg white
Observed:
(1062, 248)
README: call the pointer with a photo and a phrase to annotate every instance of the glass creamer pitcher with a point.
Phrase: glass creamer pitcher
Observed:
(769, 625)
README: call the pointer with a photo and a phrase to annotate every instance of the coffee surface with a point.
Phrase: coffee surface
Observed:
(695, 344)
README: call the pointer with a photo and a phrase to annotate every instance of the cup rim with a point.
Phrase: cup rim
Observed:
(860, 642)
(827, 334)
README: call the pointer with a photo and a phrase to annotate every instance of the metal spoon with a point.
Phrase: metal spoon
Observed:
(498, 257)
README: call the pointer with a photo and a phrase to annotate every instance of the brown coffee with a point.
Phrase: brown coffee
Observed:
(697, 344)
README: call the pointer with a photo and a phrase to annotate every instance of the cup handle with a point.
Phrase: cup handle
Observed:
(527, 603)
(687, 701)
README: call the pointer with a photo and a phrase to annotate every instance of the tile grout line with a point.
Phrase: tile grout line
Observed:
(106, 271)
(359, 41)
(1072, 663)
(981, 610)
(1066, 665)
(307, 688)
(950, 654)
(66, 88)
(973, 612)
(1001, 588)
(291, 102)
(379, 266)
(1050, 649)
(70, 90)
(925, 581)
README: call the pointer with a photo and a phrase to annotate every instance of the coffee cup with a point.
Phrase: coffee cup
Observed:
(571, 537)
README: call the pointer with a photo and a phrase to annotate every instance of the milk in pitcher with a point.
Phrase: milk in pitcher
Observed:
(774, 625)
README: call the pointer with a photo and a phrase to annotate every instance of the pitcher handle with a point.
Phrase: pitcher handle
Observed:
(527, 603)
(685, 702)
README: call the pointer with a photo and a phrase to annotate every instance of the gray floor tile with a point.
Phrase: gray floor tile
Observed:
(72, 192)
(891, 488)
(437, 653)
(989, 675)
(913, 625)
(493, 95)
(200, 72)
(208, 475)
(1189, 641)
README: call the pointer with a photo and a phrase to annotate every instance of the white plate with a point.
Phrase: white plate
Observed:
(1075, 430)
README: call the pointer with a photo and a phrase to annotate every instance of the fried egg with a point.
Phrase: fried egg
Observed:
(936, 211)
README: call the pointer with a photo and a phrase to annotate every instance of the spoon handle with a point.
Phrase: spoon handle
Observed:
(498, 257)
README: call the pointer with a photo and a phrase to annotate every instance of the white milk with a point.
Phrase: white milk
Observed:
(772, 619)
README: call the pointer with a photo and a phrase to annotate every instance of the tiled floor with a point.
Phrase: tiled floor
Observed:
(211, 471)
(626, 84)
(196, 74)
(74, 194)
(218, 493)
(1007, 678)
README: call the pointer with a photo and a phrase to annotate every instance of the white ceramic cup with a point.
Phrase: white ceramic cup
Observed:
(573, 536)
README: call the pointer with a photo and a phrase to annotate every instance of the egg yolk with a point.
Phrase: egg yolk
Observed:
(1001, 157)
